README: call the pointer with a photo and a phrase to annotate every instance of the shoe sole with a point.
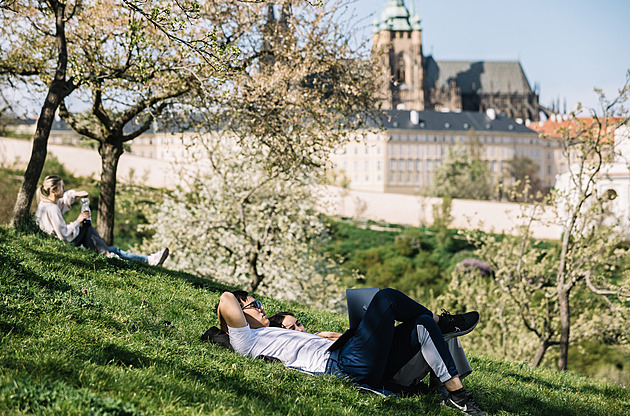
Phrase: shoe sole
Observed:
(456, 407)
(452, 335)
(165, 255)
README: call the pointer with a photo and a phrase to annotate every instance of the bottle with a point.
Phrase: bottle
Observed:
(85, 206)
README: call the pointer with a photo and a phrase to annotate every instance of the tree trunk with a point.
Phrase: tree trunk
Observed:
(565, 325)
(59, 89)
(110, 155)
(540, 353)
(252, 261)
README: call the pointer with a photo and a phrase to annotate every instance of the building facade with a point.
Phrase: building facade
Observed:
(404, 156)
(411, 81)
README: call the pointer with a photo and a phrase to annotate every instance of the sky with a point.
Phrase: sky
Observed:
(567, 48)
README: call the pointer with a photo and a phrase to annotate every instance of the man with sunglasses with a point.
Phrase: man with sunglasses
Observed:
(369, 356)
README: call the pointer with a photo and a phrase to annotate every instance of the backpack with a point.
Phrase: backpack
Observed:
(215, 336)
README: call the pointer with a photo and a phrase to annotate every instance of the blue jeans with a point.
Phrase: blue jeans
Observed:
(90, 238)
(378, 349)
(127, 255)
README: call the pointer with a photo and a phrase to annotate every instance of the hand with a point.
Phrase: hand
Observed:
(329, 335)
(84, 215)
(81, 193)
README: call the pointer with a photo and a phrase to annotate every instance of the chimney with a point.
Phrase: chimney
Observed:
(414, 117)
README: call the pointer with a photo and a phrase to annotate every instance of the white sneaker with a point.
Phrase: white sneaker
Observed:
(112, 255)
(157, 258)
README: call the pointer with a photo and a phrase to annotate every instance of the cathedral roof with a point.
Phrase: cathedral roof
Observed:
(482, 77)
(396, 17)
(451, 121)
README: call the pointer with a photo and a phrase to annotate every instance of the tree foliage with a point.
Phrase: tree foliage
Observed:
(522, 181)
(563, 292)
(240, 223)
(462, 175)
(122, 53)
(132, 72)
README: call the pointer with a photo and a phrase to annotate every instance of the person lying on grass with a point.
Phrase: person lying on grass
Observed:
(54, 201)
(408, 380)
(371, 356)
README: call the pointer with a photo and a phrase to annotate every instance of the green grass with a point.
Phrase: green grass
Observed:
(83, 334)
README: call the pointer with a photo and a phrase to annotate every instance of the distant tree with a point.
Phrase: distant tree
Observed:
(303, 90)
(462, 175)
(59, 46)
(522, 181)
(34, 43)
(133, 72)
(240, 223)
(577, 288)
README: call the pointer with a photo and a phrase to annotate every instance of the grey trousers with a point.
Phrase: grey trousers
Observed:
(417, 368)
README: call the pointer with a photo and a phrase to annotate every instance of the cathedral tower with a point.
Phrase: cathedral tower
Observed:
(397, 42)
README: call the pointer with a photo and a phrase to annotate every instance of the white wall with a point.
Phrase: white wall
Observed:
(394, 208)
(415, 211)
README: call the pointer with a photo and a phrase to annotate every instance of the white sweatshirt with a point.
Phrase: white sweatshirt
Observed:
(49, 217)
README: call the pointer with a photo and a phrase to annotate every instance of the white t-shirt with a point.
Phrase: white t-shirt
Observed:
(306, 352)
(49, 216)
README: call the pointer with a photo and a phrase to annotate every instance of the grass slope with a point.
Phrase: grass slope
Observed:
(83, 334)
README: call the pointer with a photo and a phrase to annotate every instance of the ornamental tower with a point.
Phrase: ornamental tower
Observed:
(397, 44)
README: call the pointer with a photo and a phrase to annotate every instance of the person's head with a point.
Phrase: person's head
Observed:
(252, 309)
(286, 320)
(52, 188)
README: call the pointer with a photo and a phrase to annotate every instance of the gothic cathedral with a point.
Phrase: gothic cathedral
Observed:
(412, 81)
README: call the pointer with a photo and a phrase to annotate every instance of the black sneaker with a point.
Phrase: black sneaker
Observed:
(457, 325)
(466, 405)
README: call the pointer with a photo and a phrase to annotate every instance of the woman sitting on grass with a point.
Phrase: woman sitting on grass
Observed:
(54, 201)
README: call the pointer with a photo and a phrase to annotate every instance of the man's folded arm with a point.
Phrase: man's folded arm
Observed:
(230, 312)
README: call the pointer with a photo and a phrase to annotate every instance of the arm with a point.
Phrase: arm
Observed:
(63, 231)
(230, 312)
(69, 198)
(329, 335)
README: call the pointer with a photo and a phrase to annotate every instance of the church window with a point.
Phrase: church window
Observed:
(392, 164)
(400, 70)
(378, 165)
(367, 165)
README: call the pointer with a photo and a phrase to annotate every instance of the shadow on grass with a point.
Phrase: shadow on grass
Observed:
(529, 394)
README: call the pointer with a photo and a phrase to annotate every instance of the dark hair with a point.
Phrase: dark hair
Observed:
(277, 319)
(241, 295)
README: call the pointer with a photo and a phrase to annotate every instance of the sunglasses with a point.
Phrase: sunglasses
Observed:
(255, 304)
